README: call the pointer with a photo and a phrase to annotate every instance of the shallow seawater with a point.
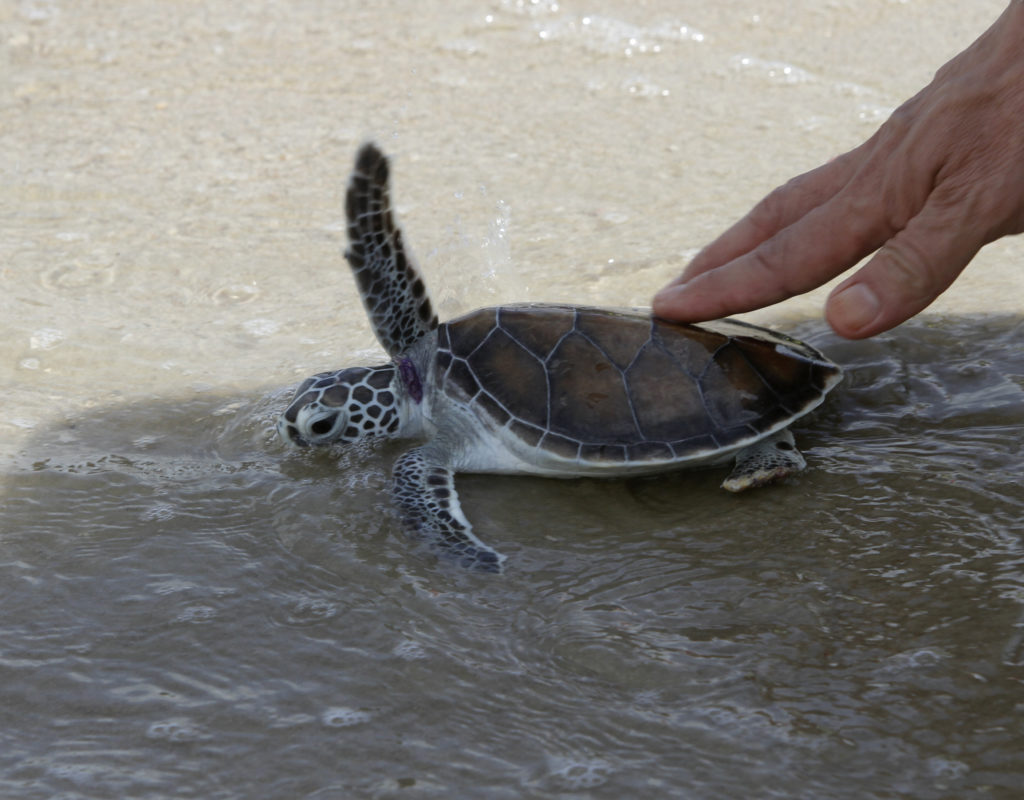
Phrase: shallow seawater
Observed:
(192, 609)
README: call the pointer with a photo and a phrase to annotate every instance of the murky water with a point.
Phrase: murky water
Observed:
(189, 608)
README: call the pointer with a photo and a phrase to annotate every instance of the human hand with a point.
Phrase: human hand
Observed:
(941, 178)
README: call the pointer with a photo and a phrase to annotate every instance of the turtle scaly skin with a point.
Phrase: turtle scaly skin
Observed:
(345, 406)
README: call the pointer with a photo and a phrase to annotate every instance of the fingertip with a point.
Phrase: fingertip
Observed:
(667, 301)
(854, 311)
(692, 302)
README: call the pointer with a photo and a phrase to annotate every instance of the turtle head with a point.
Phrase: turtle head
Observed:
(344, 406)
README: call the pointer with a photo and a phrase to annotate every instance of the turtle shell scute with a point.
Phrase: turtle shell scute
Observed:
(616, 386)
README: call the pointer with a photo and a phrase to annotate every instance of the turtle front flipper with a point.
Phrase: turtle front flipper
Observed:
(425, 492)
(390, 285)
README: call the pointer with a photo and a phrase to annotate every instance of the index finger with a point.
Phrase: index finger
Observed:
(775, 212)
(821, 244)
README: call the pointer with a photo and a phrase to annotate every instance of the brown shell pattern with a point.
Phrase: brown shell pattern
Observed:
(604, 385)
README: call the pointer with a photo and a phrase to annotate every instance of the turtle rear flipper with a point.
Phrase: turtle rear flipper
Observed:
(424, 490)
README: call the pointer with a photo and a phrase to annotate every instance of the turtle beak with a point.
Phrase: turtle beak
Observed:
(290, 434)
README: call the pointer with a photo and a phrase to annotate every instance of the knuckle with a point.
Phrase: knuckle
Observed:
(866, 221)
(902, 120)
(770, 276)
(908, 272)
(763, 259)
(767, 214)
(775, 208)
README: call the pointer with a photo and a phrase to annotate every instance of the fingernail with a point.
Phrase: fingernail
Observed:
(853, 308)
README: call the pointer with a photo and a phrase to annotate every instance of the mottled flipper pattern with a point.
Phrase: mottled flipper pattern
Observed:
(426, 496)
(764, 462)
(390, 285)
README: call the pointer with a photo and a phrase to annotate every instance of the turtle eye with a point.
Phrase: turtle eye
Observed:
(324, 425)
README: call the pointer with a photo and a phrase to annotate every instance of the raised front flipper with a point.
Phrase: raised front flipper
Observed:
(389, 282)
(425, 493)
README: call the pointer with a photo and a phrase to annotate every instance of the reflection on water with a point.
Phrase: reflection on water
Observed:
(192, 609)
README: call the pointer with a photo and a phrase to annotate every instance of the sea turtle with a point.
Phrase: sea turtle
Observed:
(553, 390)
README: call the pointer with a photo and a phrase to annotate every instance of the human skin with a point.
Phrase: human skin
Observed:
(941, 178)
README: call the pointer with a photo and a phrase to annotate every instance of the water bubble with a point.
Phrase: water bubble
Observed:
(45, 339)
(873, 113)
(158, 512)
(176, 730)
(235, 294)
(778, 71)
(923, 658)
(77, 773)
(611, 35)
(228, 409)
(946, 769)
(37, 11)
(409, 650)
(197, 614)
(261, 327)
(463, 46)
(309, 610)
(76, 275)
(576, 774)
(343, 717)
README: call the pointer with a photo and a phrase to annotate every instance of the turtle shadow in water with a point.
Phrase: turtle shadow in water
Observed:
(203, 471)
(938, 396)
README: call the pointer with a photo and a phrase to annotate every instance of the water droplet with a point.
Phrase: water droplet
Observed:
(77, 276)
(235, 294)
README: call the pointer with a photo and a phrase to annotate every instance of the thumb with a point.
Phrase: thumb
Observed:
(913, 268)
